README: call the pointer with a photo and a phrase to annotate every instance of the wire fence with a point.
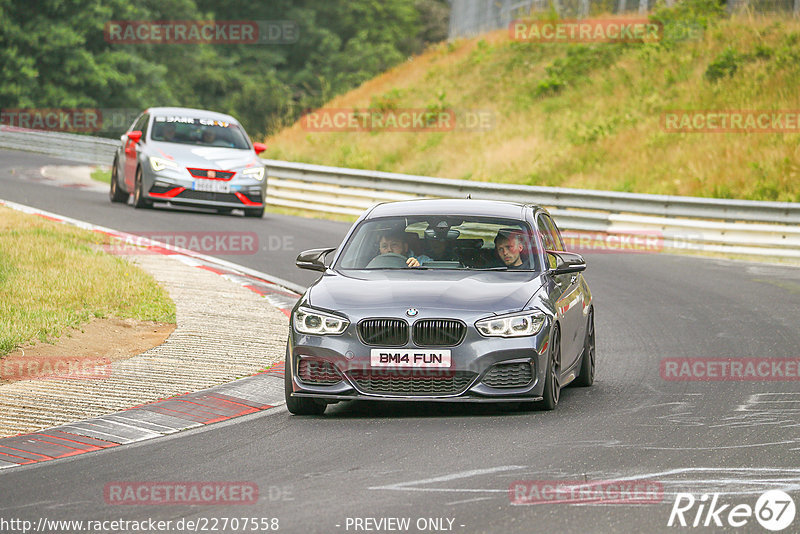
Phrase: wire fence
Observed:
(473, 17)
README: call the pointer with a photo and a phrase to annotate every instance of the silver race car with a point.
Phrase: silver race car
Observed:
(189, 157)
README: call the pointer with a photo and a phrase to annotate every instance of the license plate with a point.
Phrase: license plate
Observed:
(409, 358)
(211, 186)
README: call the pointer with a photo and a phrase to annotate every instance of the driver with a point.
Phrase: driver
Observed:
(509, 246)
(396, 242)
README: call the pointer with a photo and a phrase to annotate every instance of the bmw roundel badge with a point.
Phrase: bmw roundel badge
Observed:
(412, 312)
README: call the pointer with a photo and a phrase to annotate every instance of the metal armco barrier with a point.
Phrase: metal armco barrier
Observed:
(696, 224)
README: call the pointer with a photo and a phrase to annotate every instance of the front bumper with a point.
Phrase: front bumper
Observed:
(472, 376)
(172, 186)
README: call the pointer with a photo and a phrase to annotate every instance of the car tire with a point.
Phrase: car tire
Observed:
(115, 192)
(299, 405)
(139, 202)
(254, 212)
(552, 380)
(588, 360)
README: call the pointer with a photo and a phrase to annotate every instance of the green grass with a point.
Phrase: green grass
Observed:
(589, 115)
(52, 277)
(102, 174)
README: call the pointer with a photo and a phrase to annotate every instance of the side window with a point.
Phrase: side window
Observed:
(551, 230)
(544, 231)
(142, 124)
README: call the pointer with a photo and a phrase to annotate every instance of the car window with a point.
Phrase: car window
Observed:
(439, 242)
(550, 234)
(138, 123)
(202, 132)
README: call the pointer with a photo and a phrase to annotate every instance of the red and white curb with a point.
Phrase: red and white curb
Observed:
(259, 392)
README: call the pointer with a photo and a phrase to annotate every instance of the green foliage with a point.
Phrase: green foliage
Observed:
(578, 62)
(56, 55)
(725, 64)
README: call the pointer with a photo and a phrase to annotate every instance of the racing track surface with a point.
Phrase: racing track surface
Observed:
(457, 462)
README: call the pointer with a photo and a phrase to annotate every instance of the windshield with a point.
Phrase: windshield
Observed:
(202, 132)
(440, 242)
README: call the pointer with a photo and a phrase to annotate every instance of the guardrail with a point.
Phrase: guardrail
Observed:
(696, 224)
(83, 148)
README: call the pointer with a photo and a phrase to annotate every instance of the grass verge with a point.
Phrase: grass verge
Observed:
(102, 174)
(53, 278)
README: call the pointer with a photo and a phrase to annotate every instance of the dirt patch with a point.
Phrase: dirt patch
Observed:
(87, 350)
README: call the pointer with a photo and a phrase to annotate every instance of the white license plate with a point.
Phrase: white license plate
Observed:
(211, 186)
(409, 358)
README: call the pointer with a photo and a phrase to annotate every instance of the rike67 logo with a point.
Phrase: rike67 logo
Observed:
(774, 510)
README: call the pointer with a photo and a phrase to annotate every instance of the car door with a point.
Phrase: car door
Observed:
(569, 297)
(131, 151)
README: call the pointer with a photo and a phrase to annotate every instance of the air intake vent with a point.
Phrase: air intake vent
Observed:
(509, 375)
(383, 332)
(438, 332)
(317, 372)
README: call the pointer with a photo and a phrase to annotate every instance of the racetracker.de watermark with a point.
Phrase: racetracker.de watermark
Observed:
(397, 120)
(180, 493)
(80, 120)
(644, 242)
(585, 492)
(255, 32)
(232, 243)
(66, 368)
(731, 121)
(730, 369)
(600, 30)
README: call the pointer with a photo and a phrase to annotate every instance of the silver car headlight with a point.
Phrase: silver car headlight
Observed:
(159, 164)
(255, 172)
(517, 325)
(308, 321)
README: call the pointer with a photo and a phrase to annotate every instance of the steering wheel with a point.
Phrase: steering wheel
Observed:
(389, 260)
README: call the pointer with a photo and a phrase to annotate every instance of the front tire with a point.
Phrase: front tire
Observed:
(299, 405)
(588, 362)
(552, 381)
(115, 193)
(139, 201)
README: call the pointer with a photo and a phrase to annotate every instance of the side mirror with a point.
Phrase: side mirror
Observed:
(259, 147)
(135, 136)
(565, 262)
(313, 259)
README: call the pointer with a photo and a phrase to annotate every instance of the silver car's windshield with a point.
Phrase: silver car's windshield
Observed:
(440, 242)
(201, 132)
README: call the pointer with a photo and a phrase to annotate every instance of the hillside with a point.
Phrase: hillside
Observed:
(588, 115)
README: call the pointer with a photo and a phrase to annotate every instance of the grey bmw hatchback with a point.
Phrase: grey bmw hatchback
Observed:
(453, 300)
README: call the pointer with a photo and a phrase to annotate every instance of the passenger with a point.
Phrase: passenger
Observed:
(509, 246)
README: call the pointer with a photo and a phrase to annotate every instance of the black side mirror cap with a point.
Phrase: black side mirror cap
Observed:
(313, 259)
(566, 262)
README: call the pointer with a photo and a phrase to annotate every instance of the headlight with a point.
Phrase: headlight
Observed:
(255, 172)
(159, 164)
(518, 325)
(308, 321)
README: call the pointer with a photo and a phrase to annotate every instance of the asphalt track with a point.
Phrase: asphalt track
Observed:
(420, 461)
